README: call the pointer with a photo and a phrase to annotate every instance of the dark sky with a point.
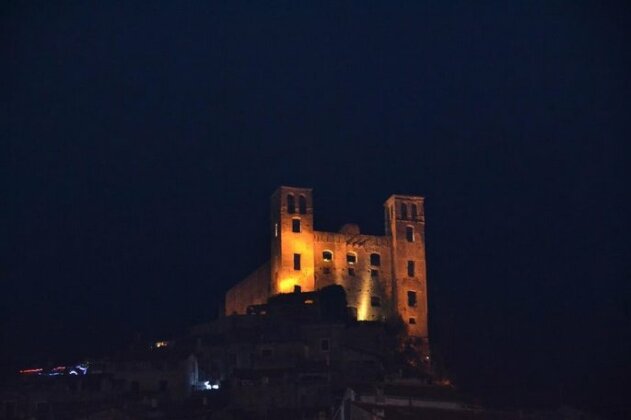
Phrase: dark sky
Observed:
(141, 141)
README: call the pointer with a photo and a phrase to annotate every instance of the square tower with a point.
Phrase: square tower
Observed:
(292, 263)
(405, 223)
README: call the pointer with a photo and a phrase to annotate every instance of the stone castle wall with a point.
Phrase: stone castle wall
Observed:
(303, 258)
(252, 290)
(368, 286)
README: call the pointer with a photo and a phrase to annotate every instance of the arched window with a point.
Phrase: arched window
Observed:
(302, 204)
(375, 260)
(414, 212)
(327, 256)
(351, 258)
(291, 204)
(404, 211)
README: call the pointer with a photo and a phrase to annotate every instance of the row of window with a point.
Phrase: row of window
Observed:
(413, 210)
(375, 260)
(351, 271)
(351, 258)
(291, 204)
(373, 272)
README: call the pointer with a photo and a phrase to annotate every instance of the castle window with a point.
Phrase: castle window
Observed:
(414, 212)
(291, 204)
(375, 301)
(295, 225)
(404, 211)
(351, 272)
(302, 204)
(375, 260)
(374, 273)
(409, 233)
(410, 268)
(351, 258)
(297, 262)
(327, 256)
(411, 298)
(412, 321)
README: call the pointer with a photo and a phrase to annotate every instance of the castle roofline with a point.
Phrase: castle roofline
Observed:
(294, 187)
(405, 197)
(289, 187)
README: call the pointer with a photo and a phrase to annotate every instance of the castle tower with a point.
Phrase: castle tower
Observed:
(292, 259)
(405, 223)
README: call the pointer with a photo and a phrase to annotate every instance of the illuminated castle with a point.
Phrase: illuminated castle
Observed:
(382, 275)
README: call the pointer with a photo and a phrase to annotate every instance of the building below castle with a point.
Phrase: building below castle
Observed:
(383, 276)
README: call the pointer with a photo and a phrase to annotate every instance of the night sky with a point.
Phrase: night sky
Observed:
(141, 142)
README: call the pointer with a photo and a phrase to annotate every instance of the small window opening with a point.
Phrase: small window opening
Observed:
(295, 225)
(375, 260)
(297, 262)
(404, 211)
(412, 321)
(326, 270)
(411, 298)
(327, 256)
(410, 268)
(409, 234)
(351, 258)
(374, 273)
(351, 272)
(302, 204)
(375, 301)
(291, 204)
(414, 212)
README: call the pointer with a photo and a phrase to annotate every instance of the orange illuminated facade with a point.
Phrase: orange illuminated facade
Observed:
(382, 275)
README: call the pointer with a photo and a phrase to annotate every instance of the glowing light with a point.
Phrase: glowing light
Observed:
(309, 301)
(364, 301)
(30, 371)
(289, 278)
(160, 344)
(73, 372)
(286, 285)
(207, 385)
